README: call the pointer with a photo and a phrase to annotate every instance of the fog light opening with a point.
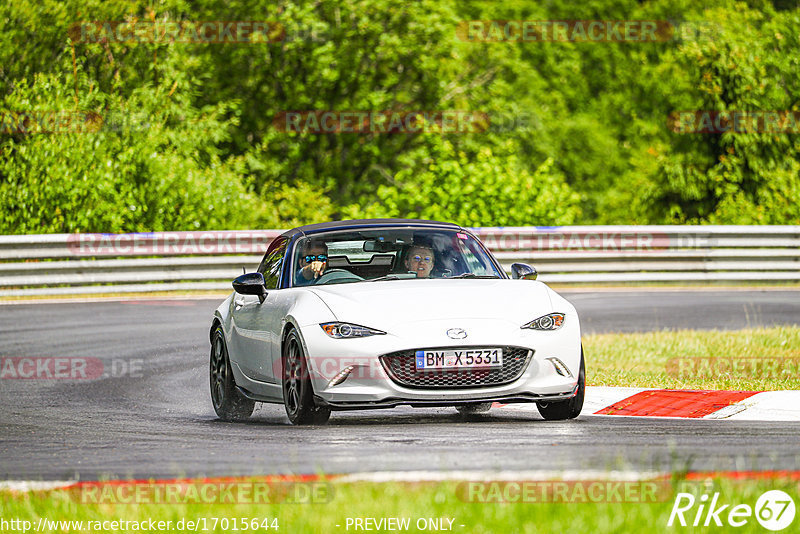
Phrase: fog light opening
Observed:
(560, 367)
(341, 376)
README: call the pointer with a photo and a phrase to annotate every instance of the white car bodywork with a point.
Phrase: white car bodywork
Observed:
(415, 315)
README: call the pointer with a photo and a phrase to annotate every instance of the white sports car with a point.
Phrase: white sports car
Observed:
(353, 315)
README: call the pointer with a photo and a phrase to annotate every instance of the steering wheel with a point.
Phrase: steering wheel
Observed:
(337, 275)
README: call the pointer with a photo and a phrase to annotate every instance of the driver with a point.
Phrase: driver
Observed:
(314, 261)
(420, 260)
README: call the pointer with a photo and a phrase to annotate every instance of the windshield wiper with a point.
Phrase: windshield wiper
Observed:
(473, 275)
(387, 277)
(396, 276)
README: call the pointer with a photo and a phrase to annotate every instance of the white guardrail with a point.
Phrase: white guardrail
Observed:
(61, 264)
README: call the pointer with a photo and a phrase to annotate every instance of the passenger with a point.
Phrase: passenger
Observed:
(314, 261)
(420, 260)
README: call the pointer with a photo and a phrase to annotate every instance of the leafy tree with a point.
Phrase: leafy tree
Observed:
(735, 177)
(147, 162)
(486, 189)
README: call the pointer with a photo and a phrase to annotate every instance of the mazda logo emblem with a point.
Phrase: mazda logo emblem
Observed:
(456, 333)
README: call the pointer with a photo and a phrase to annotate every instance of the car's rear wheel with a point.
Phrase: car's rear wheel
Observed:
(568, 409)
(228, 403)
(478, 407)
(298, 394)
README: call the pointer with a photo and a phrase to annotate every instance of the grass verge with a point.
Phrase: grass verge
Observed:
(446, 504)
(752, 359)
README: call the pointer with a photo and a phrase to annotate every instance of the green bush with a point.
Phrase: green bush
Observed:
(484, 189)
(148, 162)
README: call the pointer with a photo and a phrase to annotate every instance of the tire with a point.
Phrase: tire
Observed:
(229, 404)
(298, 394)
(478, 407)
(568, 409)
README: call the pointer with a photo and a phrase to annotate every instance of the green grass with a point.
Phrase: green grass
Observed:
(751, 359)
(409, 500)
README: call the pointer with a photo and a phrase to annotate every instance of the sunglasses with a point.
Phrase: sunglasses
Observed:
(419, 258)
(318, 257)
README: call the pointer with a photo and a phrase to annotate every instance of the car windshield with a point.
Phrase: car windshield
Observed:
(389, 254)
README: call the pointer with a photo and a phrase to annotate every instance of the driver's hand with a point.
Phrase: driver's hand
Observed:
(317, 267)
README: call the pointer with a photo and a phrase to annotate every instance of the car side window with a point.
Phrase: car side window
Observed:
(475, 262)
(271, 264)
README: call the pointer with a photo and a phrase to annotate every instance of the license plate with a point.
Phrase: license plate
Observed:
(459, 359)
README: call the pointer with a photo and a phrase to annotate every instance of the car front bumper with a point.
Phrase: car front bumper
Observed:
(368, 385)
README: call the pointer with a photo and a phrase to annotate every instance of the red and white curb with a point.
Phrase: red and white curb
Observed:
(691, 404)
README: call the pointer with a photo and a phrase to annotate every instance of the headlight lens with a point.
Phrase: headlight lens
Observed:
(551, 321)
(347, 330)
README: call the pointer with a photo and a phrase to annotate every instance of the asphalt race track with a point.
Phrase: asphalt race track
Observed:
(153, 418)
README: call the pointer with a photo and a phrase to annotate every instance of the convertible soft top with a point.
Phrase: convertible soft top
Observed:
(361, 223)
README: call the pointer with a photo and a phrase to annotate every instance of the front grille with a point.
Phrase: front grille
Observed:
(402, 369)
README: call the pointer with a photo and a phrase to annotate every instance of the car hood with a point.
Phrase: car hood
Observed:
(385, 304)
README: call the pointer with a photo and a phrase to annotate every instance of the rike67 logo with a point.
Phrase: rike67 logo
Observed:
(774, 510)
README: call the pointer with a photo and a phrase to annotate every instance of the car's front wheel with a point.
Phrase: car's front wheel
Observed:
(568, 409)
(229, 404)
(298, 395)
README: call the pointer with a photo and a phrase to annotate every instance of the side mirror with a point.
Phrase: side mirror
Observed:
(523, 271)
(251, 284)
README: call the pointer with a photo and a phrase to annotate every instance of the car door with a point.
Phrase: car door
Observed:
(256, 325)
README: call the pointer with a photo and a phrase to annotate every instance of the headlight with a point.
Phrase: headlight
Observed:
(551, 321)
(347, 330)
